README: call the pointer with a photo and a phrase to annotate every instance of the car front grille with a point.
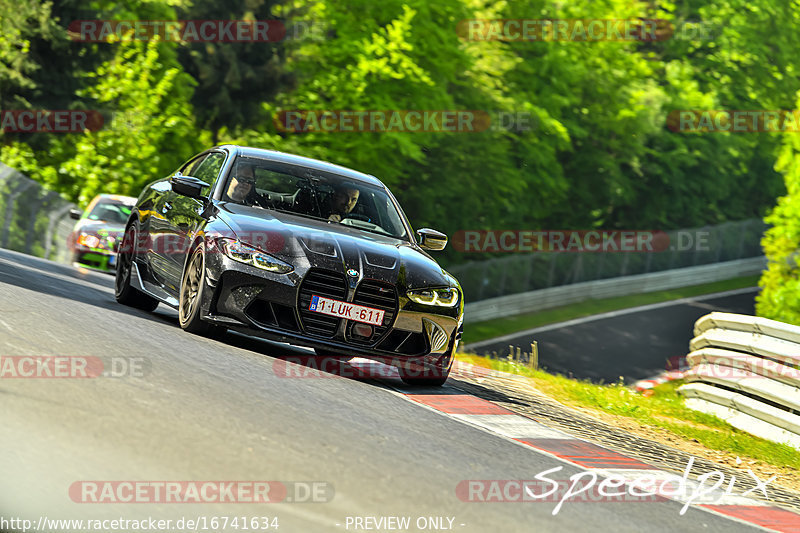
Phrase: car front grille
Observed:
(377, 295)
(321, 283)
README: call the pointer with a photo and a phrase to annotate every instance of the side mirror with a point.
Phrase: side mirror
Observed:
(430, 239)
(188, 186)
(75, 214)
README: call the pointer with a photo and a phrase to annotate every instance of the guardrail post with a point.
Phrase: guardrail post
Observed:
(533, 361)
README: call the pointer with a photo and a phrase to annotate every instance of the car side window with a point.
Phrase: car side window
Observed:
(208, 170)
(191, 166)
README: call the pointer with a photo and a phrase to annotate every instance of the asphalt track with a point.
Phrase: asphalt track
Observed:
(204, 409)
(633, 343)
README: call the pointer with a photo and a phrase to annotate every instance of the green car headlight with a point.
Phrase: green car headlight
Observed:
(441, 297)
(248, 255)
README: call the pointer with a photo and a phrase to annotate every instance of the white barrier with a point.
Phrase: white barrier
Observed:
(528, 302)
(746, 370)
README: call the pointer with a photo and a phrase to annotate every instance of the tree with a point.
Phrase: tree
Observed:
(150, 132)
(233, 79)
(780, 283)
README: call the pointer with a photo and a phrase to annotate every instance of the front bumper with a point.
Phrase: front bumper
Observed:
(102, 260)
(274, 306)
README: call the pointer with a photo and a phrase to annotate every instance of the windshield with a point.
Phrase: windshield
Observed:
(312, 193)
(110, 211)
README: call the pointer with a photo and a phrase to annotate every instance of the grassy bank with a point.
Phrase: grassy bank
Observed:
(664, 409)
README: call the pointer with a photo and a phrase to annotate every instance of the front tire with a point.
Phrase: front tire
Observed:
(329, 354)
(123, 292)
(433, 372)
(191, 294)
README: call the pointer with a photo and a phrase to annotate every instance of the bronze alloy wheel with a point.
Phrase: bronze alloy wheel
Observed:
(191, 296)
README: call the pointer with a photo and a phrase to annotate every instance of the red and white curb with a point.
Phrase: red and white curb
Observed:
(498, 420)
(670, 375)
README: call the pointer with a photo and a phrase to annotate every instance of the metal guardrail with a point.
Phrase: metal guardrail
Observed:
(33, 220)
(529, 302)
(746, 370)
(521, 273)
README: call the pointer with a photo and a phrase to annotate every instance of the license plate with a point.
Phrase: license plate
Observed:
(358, 313)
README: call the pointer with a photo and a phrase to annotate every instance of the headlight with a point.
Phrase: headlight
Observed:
(89, 240)
(253, 256)
(440, 297)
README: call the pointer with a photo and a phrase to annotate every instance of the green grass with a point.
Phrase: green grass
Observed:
(663, 409)
(502, 326)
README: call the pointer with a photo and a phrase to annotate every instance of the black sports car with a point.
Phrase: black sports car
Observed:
(296, 250)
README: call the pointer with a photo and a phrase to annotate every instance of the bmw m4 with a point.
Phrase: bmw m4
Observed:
(295, 250)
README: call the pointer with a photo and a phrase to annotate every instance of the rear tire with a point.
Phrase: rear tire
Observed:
(123, 291)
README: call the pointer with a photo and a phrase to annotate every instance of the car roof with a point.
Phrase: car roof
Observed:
(116, 197)
(291, 159)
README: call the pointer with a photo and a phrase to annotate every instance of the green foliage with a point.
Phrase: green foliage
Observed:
(151, 131)
(780, 283)
(148, 132)
(236, 77)
(19, 22)
(598, 153)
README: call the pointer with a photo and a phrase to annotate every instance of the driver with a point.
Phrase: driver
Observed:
(242, 188)
(341, 202)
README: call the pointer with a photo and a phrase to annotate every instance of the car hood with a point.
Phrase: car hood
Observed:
(99, 227)
(318, 243)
